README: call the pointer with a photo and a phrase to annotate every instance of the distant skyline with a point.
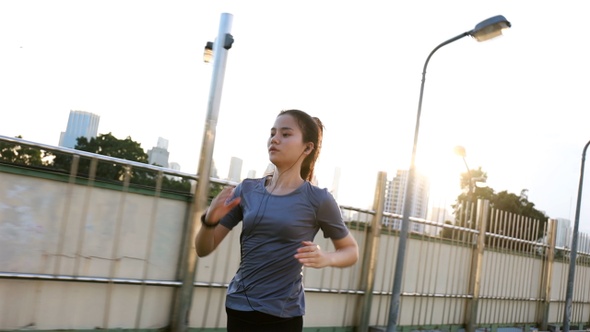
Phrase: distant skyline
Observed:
(516, 103)
(80, 124)
(157, 154)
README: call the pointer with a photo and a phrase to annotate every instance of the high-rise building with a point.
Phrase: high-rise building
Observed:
(213, 170)
(439, 215)
(174, 165)
(335, 183)
(564, 231)
(158, 155)
(395, 197)
(80, 124)
(270, 169)
(235, 170)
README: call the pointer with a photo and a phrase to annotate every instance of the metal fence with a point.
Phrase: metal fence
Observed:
(93, 242)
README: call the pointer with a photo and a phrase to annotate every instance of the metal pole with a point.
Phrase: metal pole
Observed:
(183, 300)
(469, 196)
(409, 192)
(572, 268)
(371, 250)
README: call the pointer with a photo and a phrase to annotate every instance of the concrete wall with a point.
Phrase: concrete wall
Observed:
(76, 255)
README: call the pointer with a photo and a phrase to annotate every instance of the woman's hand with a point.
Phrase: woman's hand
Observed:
(346, 254)
(221, 205)
(311, 255)
(208, 238)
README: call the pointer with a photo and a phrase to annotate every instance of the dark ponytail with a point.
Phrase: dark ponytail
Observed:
(312, 131)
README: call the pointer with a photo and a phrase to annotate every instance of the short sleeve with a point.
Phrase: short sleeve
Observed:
(236, 215)
(329, 217)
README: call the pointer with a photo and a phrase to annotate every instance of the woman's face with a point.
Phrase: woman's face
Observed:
(285, 144)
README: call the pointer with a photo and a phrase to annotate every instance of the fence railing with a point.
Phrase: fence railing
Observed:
(96, 242)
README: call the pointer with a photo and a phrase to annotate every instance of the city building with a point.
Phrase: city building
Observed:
(335, 183)
(158, 155)
(563, 232)
(564, 235)
(438, 215)
(270, 169)
(395, 197)
(235, 170)
(213, 171)
(80, 124)
(174, 165)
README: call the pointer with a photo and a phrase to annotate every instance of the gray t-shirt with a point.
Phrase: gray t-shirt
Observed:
(269, 278)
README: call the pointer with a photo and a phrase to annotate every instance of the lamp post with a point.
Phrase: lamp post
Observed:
(460, 151)
(574, 250)
(485, 30)
(218, 52)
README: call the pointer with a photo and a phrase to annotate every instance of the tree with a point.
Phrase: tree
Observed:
(14, 153)
(107, 145)
(520, 205)
(501, 201)
(128, 149)
(214, 190)
(447, 232)
(466, 201)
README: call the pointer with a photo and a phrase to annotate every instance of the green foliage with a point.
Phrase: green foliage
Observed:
(518, 205)
(109, 145)
(214, 190)
(21, 154)
(447, 232)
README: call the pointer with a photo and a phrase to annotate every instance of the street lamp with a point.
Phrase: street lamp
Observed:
(574, 250)
(217, 52)
(460, 151)
(485, 30)
(208, 52)
(472, 182)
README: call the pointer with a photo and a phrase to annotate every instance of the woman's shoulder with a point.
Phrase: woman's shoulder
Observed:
(318, 194)
(251, 183)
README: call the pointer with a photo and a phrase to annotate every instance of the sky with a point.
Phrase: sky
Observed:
(518, 103)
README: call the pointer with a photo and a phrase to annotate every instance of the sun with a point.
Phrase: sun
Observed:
(443, 168)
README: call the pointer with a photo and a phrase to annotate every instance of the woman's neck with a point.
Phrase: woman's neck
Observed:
(284, 183)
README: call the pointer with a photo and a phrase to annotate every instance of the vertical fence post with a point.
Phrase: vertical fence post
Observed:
(370, 253)
(476, 266)
(179, 319)
(546, 276)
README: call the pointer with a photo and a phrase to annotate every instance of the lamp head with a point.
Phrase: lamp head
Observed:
(460, 151)
(208, 52)
(490, 28)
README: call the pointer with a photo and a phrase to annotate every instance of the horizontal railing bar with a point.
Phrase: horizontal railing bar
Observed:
(149, 282)
(136, 164)
(437, 295)
(94, 155)
(50, 277)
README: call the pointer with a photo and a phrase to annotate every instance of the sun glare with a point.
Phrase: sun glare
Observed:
(443, 168)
